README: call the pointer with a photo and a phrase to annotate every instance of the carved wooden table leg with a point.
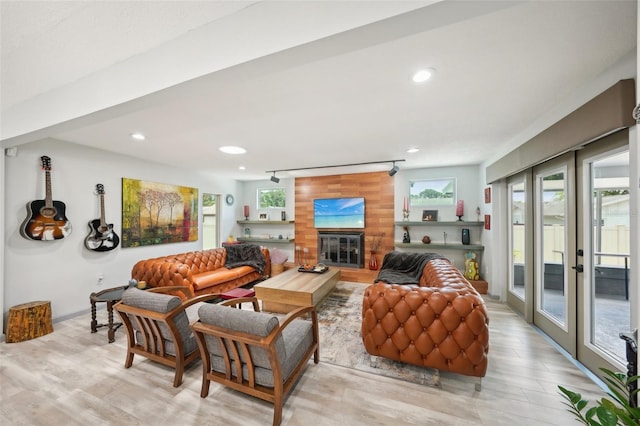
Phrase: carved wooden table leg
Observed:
(94, 323)
(111, 333)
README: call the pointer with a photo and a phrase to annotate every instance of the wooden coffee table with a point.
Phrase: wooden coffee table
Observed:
(292, 289)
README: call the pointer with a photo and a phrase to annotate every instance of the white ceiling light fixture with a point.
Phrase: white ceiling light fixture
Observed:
(138, 136)
(234, 150)
(422, 75)
(413, 150)
(242, 168)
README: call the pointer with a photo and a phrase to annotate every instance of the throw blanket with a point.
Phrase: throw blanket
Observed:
(245, 255)
(404, 268)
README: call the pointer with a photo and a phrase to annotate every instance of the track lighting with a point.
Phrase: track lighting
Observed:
(392, 172)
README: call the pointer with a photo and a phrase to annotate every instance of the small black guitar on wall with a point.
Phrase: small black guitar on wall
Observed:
(101, 235)
(46, 220)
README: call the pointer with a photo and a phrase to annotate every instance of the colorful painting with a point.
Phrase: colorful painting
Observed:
(158, 213)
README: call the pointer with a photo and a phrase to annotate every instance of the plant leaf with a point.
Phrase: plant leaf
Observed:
(606, 416)
(574, 397)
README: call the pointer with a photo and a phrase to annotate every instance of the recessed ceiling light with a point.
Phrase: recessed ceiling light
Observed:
(423, 75)
(242, 168)
(413, 150)
(232, 149)
(138, 136)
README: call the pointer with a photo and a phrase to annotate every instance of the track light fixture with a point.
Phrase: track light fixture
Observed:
(392, 172)
(394, 169)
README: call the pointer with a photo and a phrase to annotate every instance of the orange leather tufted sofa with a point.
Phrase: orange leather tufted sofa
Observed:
(442, 323)
(204, 272)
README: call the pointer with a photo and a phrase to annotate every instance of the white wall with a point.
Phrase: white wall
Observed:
(469, 189)
(2, 262)
(64, 271)
(250, 198)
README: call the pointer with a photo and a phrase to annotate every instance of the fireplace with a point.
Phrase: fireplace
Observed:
(341, 248)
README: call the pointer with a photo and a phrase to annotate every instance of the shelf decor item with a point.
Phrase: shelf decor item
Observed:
(429, 215)
(246, 212)
(373, 261)
(460, 210)
(405, 209)
(406, 238)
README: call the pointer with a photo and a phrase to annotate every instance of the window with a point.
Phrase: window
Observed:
(432, 192)
(271, 198)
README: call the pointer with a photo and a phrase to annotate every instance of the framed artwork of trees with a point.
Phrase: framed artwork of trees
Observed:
(158, 213)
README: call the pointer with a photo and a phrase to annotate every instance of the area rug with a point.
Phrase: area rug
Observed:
(339, 321)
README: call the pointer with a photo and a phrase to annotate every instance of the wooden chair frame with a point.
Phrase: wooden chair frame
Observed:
(241, 342)
(153, 345)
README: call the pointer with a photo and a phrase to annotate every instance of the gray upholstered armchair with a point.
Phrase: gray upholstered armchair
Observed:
(157, 326)
(270, 354)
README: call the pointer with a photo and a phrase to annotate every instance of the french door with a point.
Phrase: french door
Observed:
(569, 250)
(554, 250)
(604, 237)
(520, 275)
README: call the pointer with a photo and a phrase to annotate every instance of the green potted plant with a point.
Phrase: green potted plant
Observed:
(606, 412)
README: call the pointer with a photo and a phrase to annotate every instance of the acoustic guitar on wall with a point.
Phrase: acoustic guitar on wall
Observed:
(46, 220)
(101, 236)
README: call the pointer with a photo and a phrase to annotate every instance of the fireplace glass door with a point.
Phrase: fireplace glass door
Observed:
(341, 249)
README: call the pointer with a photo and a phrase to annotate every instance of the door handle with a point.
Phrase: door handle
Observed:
(579, 267)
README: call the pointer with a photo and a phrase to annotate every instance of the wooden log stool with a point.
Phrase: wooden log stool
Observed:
(28, 321)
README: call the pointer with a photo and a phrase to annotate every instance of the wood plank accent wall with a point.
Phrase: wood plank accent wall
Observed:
(378, 192)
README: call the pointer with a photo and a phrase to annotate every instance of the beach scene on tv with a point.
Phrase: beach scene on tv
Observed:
(338, 212)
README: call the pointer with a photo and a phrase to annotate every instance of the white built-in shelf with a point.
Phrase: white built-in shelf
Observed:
(266, 240)
(265, 222)
(427, 223)
(441, 246)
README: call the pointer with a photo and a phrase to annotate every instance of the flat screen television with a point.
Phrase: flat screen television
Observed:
(338, 212)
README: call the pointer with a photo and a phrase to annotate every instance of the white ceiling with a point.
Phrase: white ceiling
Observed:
(312, 93)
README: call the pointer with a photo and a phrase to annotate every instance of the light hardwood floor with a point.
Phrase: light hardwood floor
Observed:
(73, 377)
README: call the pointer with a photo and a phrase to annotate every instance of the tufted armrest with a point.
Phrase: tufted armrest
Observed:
(444, 326)
(162, 272)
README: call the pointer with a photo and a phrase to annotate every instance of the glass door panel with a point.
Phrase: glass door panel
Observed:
(555, 250)
(552, 220)
(520, 294)
(517, 247)
(210, 221)
(610, 254)
(605, 236)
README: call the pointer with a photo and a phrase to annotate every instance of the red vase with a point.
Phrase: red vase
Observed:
(373, 261)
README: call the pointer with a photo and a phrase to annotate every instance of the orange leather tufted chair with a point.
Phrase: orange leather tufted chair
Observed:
(442, 323)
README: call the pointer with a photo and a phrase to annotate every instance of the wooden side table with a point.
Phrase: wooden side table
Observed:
(109, 296)
(480, 285)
